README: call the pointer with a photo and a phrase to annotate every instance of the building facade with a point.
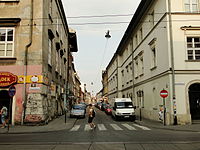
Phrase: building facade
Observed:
(35, 45)
(160, 50)
(105, 83)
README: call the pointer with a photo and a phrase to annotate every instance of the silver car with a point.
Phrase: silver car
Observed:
(77, 111)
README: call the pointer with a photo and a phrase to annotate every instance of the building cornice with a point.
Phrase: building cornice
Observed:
(9, 21)
(190, 28)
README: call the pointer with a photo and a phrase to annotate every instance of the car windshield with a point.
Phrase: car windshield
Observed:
(124, 105)
(77, 107)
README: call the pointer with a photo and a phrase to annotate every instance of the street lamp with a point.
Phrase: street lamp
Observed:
(108, 34)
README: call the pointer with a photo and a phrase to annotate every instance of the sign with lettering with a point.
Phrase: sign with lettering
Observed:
(7, 79)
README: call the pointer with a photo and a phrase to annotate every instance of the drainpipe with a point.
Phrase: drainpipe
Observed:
(26, 60)
(172, 62)
(117, 75)
(133, 75)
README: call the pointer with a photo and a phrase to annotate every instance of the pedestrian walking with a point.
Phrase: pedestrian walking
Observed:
(91, 116)
(4, 116)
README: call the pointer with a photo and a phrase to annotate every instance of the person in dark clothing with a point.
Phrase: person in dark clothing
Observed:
(91, 116)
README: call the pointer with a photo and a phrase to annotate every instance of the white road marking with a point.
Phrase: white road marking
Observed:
(116, 127)
(75, 128)
(101, 127)
(87, 127)
(128, 127)
(142, 127)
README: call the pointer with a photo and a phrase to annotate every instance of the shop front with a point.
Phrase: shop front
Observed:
(6, 80)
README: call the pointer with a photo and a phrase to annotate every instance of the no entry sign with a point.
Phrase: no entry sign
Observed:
(163, 93)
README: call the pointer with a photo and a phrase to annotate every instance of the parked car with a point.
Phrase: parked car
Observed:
(123, 108)
(84, 105)
(99, 105)
(108, 109)
(103, 106)
(78, 110)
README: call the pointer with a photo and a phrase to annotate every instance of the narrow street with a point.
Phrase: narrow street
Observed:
(109, 134)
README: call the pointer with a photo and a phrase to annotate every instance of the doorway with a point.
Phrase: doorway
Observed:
(194, 99)
(5, 101)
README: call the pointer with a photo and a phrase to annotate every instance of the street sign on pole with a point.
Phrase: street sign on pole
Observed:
(164, 94)
(11, 93)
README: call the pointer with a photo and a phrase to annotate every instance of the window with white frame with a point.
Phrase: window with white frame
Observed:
(50, 51)
(127, 69)
(151, 19)
(191, 5)
(141, 65)
(140, 34)
(136, 67)
(153, 55)
(57, 61)
(122, 73)
(6, 42)
(57, 23)
(136, 40)
(50, 7)
(193, 48)
(130, 64)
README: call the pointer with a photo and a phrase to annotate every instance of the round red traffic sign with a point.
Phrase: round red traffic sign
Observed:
(163, 93)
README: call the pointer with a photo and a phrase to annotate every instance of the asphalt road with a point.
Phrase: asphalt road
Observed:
(109, 134)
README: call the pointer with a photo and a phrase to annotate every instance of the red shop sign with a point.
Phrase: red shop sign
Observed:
(7, 79)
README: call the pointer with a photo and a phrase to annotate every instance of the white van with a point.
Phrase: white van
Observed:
(123, 108)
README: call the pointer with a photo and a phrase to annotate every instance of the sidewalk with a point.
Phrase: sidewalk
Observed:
(54, 125)
(195, 127)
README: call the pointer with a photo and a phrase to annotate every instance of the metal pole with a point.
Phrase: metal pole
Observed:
(26, 62)
(9, 113)
(172, 62)
(164, 111)
(65, 105)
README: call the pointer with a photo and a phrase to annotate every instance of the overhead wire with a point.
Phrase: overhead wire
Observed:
(104, 52)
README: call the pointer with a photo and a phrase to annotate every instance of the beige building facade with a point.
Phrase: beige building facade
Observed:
(35, 45)
(160, 50)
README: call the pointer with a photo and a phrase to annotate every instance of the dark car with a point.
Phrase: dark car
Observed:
(99, 105)
(103, 106)
(108, 109)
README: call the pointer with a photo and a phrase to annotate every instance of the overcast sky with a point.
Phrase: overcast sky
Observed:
(94, 50)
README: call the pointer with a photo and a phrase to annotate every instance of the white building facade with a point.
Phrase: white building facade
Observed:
(160, 50)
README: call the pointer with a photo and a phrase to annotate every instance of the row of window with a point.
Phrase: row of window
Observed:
(191, 5)
(193, 53)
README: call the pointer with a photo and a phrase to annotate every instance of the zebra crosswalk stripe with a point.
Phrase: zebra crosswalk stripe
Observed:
(101, 127)
(87, 127)
(116, 127)
(75, 128)
(142, 127)
(128, 127)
